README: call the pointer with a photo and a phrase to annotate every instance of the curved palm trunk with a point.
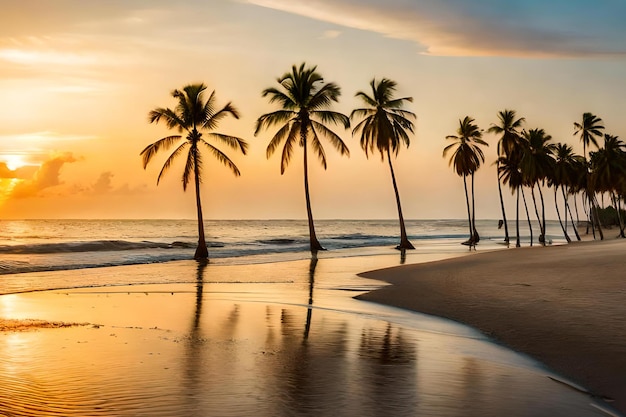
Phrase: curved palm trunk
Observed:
(618, 205)
(594, 210)
(201, 251)
(404, 240)
(469, 215)
(314, 243)
(543, 214)
(517, 241)
(571, 216)
(558, 213)
(530, 226)
(506, 226)
(475, 236)
(541, 234)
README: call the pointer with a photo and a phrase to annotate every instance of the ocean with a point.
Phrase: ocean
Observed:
(51, 245)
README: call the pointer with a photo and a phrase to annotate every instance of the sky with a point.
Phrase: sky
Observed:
(78, 78)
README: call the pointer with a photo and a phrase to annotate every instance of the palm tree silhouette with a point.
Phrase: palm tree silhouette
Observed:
(608, 169)
(385, 127)
(509, 172)
(536, 165)
(466, 158)
(191, 115)
(560, 177)
(589, 129)
(508, 127)
(304, 98)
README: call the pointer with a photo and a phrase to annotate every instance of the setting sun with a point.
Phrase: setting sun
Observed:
(13, 161)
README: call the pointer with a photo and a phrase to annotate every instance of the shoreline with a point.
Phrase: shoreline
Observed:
(562, 305)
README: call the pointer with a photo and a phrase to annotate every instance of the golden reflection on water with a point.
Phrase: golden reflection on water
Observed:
(233, 349)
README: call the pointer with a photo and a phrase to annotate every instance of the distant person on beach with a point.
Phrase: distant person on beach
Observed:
(500, 223)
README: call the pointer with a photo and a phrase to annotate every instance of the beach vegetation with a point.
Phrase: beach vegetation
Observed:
(385, 127)
(467, 156)
(194, 115)
(508, 127)
(607, 176)
(303, 117)
(561, 177)
(589, 131)
(537, 163)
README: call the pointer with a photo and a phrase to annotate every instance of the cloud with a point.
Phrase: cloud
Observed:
(22, 173)
(104, 186)
(47, 176)
(331, 34)
(103, 183)
(520, 28)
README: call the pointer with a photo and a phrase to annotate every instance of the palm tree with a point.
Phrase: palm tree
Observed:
(466, 159)
(536, 164)
(508, 127)
(509, 173)
(608, 169)
(559, 177)
(304, 99)
(191, 115)
(385, 127)
(589, 129)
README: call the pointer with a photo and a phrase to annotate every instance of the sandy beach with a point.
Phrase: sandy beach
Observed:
(564, 305)
(272, 339)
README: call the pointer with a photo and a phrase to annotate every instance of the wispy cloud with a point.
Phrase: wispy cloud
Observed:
(574, 28)
(331, 34)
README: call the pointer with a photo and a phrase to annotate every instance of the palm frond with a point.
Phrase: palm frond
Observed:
(288, 148)
(327, 116)
(268, 120)
(171, 119)
(332, 137)
(190, 165)
(211, 120)
(170, 160)
(366, 98)
(318, 148)
(361, 113)
(223, 158)
(232, 142)
(282, 133)
(162, 144)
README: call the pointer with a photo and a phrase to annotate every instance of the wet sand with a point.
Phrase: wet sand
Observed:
(268, 339)
(563, 305)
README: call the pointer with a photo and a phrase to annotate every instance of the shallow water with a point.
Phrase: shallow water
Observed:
(283, 339)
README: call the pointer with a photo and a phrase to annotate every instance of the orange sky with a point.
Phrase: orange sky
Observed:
(77, 80)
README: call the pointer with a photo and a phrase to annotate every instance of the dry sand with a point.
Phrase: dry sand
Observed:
(563, 305)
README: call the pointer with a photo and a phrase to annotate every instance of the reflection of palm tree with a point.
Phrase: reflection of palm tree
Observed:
(309, 312)
(199, 295)
(304, 99)
(191, 115)
(466, 159)
(193, 380)
(385, 127)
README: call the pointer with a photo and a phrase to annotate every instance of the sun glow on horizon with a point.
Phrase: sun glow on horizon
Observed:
(14, 161)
